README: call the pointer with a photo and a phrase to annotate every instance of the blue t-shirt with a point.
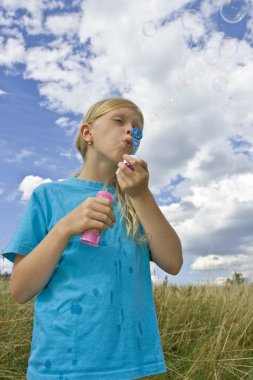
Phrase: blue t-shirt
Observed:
(95, 318)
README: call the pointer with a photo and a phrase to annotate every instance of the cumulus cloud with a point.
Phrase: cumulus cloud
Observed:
(65, 24)
(205, 263)
(215, 217)
(12, 51)
(68, 125)
(28, 184)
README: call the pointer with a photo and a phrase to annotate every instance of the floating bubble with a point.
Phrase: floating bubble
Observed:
(192, 20)
(219, 84)
(183, 80)
(197, 46)
(149, 28)
(228, 47)
(196, 69)
(211, 55)
(233, 11)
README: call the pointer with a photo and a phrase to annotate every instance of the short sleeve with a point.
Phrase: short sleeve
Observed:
(150, 254)
(30, 230)
(149, 250)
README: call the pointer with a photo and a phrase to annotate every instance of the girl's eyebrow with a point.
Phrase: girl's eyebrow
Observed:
(136, 121)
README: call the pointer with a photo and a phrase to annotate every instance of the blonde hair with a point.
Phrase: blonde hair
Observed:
(124, 203)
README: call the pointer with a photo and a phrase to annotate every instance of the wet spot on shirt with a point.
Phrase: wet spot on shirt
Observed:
(116, 267)
(48, 364)
(95, 292)
(120, 266)
(111, 296)
(119, 328)
(74, 362)
(69, 350)
(122, 315)
(130, 269)
(138, 343)
(140, 328)
(76, 308)
(61, 377)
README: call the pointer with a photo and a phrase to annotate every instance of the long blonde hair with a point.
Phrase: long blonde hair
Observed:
(124, 203)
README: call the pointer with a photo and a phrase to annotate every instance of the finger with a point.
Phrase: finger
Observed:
(133, 160)
(105, 209)
(124, 166)
(130, 158)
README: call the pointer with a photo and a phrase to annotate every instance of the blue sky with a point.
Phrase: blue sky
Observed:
(188, 65)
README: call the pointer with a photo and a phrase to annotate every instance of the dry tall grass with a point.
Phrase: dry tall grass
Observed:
(206, 332)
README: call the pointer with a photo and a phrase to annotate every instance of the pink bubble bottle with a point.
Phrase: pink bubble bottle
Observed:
(92, 237)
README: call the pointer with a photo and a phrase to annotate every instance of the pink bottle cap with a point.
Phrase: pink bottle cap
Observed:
(105, 194)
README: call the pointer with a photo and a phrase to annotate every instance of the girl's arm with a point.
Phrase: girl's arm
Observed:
(33, 272)
(164, 243)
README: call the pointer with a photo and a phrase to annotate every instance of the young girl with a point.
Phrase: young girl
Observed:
(94, 312)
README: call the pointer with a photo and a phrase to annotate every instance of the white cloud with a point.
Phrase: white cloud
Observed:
(2, 92)
(12, 51)
(65, 24)
(19, 157)
(206, 263)
(31, 19)
(70, 126)
(68, 154)
(29, 183)
(5, 265)
(215, 216)
(220, 281)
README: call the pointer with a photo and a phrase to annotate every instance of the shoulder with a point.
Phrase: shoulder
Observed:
(49, 186)
(47, 190)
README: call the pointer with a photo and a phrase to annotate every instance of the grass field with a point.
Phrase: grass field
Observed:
(206, 332)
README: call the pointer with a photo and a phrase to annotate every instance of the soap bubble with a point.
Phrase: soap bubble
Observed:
(183, 80)
(197, 46)
(211, 55)
(149, 28)
(219, 84)
(196, 68)
(228, 47)
(192, 20)
(233, 11)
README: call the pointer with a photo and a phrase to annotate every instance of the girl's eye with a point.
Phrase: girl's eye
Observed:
(118, 120)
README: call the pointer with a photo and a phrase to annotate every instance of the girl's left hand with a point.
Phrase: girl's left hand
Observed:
(133, 182)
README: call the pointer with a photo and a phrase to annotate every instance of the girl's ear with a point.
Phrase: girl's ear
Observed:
(85, 129)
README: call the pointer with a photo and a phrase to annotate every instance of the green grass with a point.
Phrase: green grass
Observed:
(206, 332)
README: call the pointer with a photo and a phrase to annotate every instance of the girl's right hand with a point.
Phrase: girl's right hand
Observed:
(92, 214)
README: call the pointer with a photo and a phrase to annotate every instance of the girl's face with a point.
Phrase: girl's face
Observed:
(111, 131)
